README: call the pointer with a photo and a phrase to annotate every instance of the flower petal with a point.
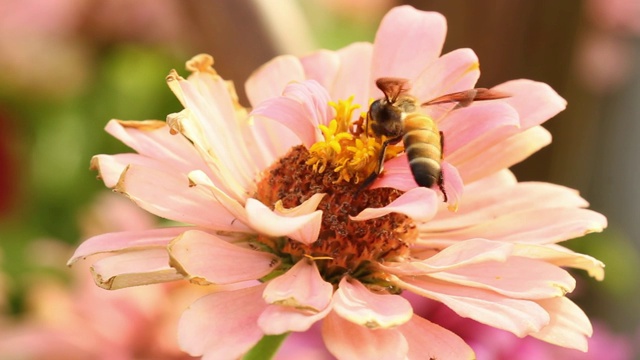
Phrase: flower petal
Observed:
(207, 325)
(110, 167)
(142, 267)
(321, 66)
(126, 241)
(301, 287)
(535, 102)
(354, 76)
(277, 319)
(303, 106)
(569, 326)
(271, 78)
(168, 195)
(349, 341)
(354, 302)
(206, 258)
(520, 317)
(430, 341)
(419, 204)
(304, 227)
(453, 185)
(503, 154)
(407, 40)
(397, 174)
(457, 70)
(561, 256)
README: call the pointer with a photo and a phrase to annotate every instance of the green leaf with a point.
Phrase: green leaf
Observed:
(266, 348)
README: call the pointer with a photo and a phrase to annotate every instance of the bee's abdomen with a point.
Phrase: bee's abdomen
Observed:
(422, 145)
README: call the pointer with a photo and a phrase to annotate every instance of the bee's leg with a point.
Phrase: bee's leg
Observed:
(374, 175)
(441, 178)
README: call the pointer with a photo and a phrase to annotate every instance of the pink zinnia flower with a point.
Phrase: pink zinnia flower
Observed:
(277, 211)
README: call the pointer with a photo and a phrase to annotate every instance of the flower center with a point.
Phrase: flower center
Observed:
(335, 167)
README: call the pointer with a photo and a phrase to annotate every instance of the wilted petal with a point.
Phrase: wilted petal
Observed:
(142, 267)
(520, 317)
(430, 341)
(271, 78)
(207, 326)
(569, 326)
(126, 241)
(404, 33)
(534, 101)
(354, 302)
(203, 257)
(304, 227)
(418, 204)
(349, 341)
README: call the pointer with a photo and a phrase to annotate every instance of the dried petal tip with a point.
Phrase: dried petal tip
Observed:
(201, 63)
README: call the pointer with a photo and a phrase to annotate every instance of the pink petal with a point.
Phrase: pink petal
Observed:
(536, 226)
(452, 184)
(535, 102)
(277, 319)
(396, 174)
(561, 256)
(302, 107)
(141, 267)
(148, 188)
(271, 141)
(503, 154)
(485, 200)
(430, 341)
(354, 76)
(198, 179)
(271, 78)
(569, 326)
(419, 204)
(349, 341)
(517, 277)
(110, 167)
(520, 317)
(468, 128)
(300, 287)
(403, 34)
(354, 302)
(222, 325)
(460, 254)
(205, 257)
(126, 240)
(153, 139)
(321, 66)
(304, 228)
(455, 71)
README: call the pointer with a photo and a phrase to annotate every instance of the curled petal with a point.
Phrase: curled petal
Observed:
(142, 267)
(534, 101)
(126, 241)
(208, 324)
(419, 204)
(452, 185)
(561, 256)
(304, 227)
(569, 326)
(403, 33)
(350, 341)
(430, 341)
(205, 258)
(354, 302)
(301, 287)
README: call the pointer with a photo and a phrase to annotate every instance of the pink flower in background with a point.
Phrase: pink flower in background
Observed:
(275, 208)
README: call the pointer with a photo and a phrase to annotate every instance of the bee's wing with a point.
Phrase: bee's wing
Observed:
(467, 97)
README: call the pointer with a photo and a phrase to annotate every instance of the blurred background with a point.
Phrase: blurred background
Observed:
(68, 66)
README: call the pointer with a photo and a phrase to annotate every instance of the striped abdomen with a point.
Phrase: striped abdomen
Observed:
(423, 147)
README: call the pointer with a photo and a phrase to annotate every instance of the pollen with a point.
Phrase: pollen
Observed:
(344, 246)
(347, 149)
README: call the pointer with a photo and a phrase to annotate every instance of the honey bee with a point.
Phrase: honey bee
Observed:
(397, 116)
